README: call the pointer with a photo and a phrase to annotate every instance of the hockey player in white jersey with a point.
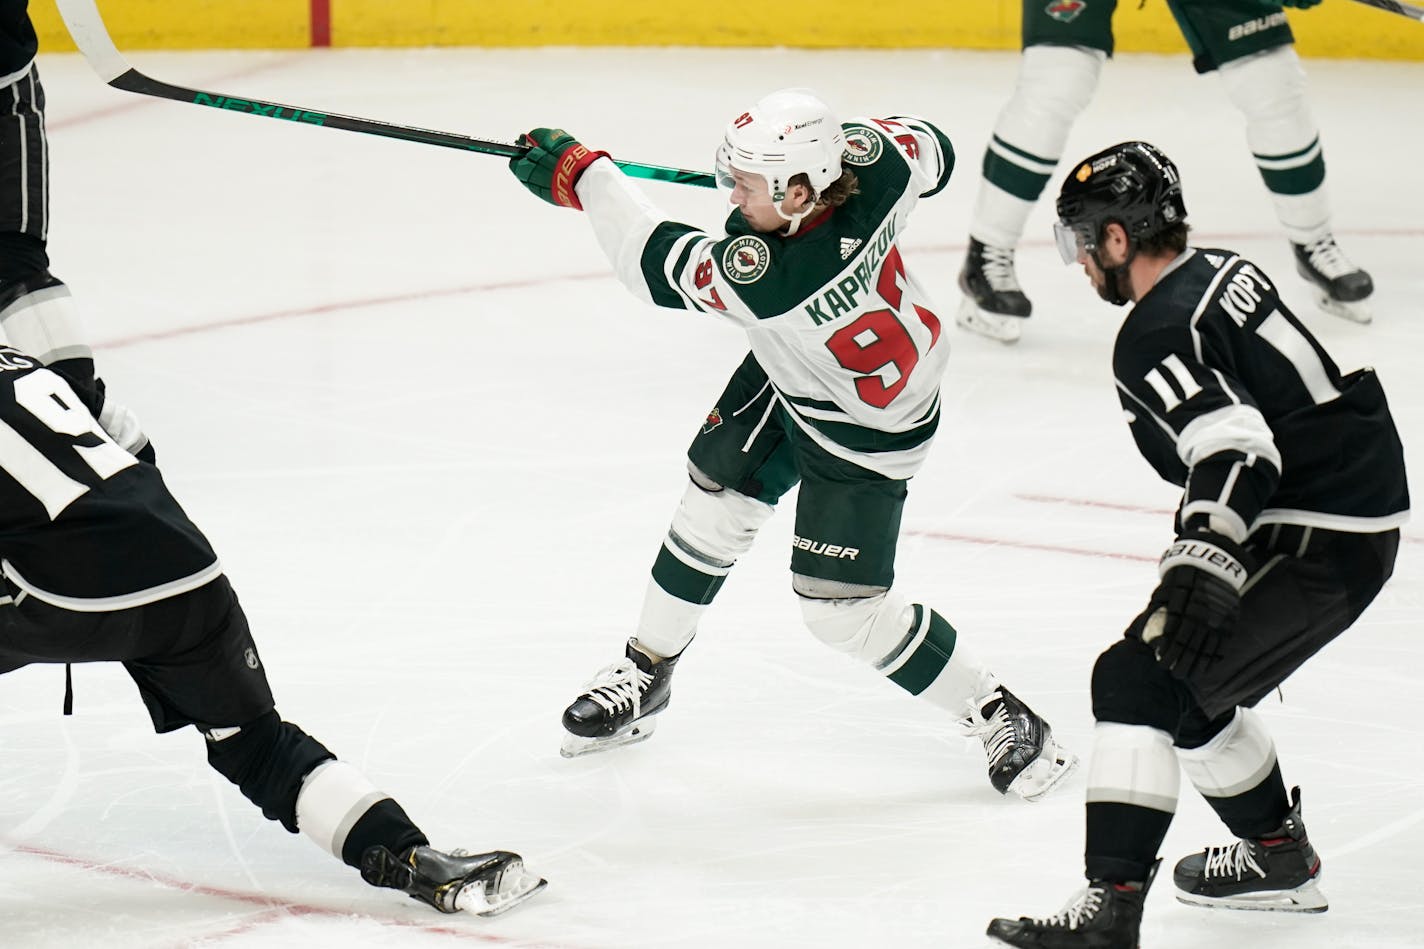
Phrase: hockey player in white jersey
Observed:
(1249, 45)
(840, 392)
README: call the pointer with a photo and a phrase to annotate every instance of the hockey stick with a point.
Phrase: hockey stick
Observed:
(1396, 6)
(92, 37)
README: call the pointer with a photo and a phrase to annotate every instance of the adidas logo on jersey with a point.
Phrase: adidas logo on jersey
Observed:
(848, 246)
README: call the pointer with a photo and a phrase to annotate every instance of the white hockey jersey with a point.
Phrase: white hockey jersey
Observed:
(844, 332)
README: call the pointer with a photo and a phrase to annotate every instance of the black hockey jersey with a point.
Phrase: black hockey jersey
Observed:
(1229, 396)
(84, 525)
(17, 36)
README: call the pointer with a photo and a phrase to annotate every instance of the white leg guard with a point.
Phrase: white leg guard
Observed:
(713, 526)
(1055, 84)
(1238, 759)
(1133, 764)
(1270, 90)
(667, 624)
(333, 798)
(904, 641)
(45, 323)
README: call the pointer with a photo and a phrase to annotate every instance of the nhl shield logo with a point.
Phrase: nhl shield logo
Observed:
(714, 418)
(746, 259)
(1066, 10)
(862, 146)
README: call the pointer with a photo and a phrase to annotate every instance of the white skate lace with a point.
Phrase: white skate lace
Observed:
(999, 269)
(1327, 257)
(618, 685)
(1078, 910)
(1232, 860)
(996, 731)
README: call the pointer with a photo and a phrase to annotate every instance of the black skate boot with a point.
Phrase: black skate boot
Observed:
(485, 884)
(1103, 916)
(1279, 871)
(617, 705)
(994, 303)
(1023, 757)
(1342, 288)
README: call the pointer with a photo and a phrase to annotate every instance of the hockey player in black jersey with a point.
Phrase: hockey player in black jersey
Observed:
(1293, 492)
(37, 313)
(99, 563)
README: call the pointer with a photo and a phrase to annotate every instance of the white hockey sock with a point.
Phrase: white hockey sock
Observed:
(935, 666)
(46, 324)
(1237, 759)
(711, 528)
(667, 624)
(1055, 84)
(334, 796)
(1270, 90)
(1133, 764)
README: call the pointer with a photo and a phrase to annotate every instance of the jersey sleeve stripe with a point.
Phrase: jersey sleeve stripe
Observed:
(664, 258)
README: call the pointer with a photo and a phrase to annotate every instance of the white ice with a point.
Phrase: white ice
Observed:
(436, 446)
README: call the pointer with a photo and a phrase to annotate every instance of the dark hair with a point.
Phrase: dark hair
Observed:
(1172, 240)
(836, 193)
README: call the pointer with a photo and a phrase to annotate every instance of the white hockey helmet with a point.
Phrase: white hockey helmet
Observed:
(790, 132)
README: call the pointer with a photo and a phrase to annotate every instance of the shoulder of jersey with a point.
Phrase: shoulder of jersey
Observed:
(864, 144)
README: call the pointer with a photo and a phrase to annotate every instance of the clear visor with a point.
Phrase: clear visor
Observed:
(724, 167)
(1072, 240)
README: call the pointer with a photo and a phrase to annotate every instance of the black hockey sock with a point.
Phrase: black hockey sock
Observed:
(1123, 840)
(1255, 812)
(385, 824)
(268, 759)
(21, 255)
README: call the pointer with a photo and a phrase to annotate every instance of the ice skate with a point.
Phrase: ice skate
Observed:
(994, 303)
(1023, 757)
(485, 884)
(617, 706)
(1278, 872)
(1102, 916)
(1342, 289)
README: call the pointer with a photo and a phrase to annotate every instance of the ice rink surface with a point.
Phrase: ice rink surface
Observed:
(436, 447)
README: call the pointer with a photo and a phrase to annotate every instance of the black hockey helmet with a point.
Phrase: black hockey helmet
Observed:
(1131, 183)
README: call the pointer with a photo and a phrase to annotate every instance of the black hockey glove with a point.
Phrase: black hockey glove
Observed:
(1198, 602)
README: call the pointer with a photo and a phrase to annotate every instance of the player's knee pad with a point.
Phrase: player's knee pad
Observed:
(38, 316)
(1131, 688)
(716, 523)
(267, 759)
(1133, 764)
(1055, 84)
(869, 627)
(1237, 759)
(1270, 90)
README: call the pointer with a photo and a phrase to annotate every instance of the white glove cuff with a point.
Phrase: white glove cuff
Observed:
(1204, 555)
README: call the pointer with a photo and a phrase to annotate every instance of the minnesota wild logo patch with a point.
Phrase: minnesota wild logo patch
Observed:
(1066, 10)
(863, 146)
(714, 418)
(746, 259)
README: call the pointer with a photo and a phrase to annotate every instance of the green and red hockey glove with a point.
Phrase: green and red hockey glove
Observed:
(552, 166)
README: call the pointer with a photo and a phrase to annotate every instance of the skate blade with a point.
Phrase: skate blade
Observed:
(1044, 773)
(1306, 898)
(1359, 311)
(512, 886)
(575, 746)
(1005, 329)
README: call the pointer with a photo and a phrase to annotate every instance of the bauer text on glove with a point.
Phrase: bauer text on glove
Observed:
(552, 166)
(1197, 604)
